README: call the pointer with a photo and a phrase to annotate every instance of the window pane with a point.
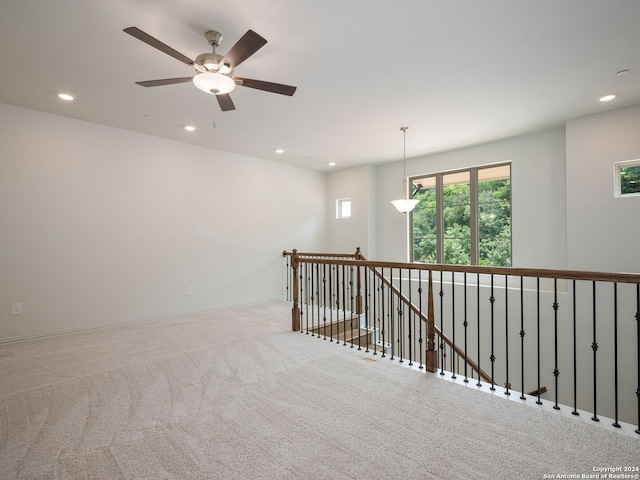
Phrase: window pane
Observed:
(456, 189)
(457, 251)
(630, 180)
(494, 219)
(343, 208)
(494, 216)
(424, 221)
(425, 250)
(457, 219)
(495, 252)
(456, 216)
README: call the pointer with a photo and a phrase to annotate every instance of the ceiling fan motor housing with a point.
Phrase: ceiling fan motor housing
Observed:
(214, 38)
(211, 62)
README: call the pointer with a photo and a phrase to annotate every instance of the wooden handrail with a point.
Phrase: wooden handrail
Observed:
(508, 271)
(358, 260)
(328, 255)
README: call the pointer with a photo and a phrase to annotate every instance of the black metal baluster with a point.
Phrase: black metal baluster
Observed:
(538, 401)
(575, 359)
(351, 305)
(400, 340)
(420, 342)
(465, 325)
(337, 305)
(556, 372)
(492, 357)
(479, 384)
(442, 352)
(366, 306)
(307, 295)
(324, 300)
(594, 347)
(391, 318)
(638, 351)
(522, 396)
(302, 293)
(344, 307)
(506, 332)
(332, 297)
(376, 319)
(412, 317)
(382, 311)
(312, 298)
(615, 351)
(453, 323)
(318, 295)
(288, 274)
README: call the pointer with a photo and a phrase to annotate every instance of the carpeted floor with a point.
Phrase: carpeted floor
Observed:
(235, 395)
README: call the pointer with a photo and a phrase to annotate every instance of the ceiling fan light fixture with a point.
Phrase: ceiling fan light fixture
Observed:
(214, 83)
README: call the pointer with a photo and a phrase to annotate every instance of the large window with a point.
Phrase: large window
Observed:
(463, 217)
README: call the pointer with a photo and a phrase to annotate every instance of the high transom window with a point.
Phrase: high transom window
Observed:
(627, 178)
(463, 217)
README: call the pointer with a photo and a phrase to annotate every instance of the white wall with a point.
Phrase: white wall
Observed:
(346, 234)
(602, 231)
(98, 225)
(538, 196)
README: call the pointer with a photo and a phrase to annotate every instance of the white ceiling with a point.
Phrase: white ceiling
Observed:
(456, 72)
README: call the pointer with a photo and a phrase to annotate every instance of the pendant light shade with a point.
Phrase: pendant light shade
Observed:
(404, 205)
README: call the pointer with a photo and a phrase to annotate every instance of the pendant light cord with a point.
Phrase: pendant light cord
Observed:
(404, 150)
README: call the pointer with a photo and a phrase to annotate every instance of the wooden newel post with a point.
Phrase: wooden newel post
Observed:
(359, 310)
(432, 360)
(295, 311)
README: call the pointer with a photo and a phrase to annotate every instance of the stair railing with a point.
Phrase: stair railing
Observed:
(488, 320)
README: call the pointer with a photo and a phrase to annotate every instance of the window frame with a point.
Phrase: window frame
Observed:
(474, 207)
(617, 183)
(339, 208)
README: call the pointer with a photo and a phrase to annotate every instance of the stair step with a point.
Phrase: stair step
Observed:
(340, 325)
(357, 337)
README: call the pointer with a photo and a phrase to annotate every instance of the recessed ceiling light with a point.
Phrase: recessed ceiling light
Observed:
(66, 96)
(189, 128)
(332, 164)
(278, 150)
(607, 98)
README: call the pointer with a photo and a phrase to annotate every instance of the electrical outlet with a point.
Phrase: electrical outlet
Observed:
(189, 291)
(16, 308)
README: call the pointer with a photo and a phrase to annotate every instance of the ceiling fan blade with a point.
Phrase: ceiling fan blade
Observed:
(155, 43)
(166, 81)
(249, 44)
(225, 102)
(267, 86)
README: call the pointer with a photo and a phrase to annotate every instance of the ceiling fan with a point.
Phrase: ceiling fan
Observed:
(214, 72)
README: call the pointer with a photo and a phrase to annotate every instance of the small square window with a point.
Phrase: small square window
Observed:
(627, 178)
(343, 208)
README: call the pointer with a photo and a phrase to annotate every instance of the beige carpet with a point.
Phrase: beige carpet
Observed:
(236, 395)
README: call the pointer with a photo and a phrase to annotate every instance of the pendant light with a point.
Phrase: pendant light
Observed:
(404, 205)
